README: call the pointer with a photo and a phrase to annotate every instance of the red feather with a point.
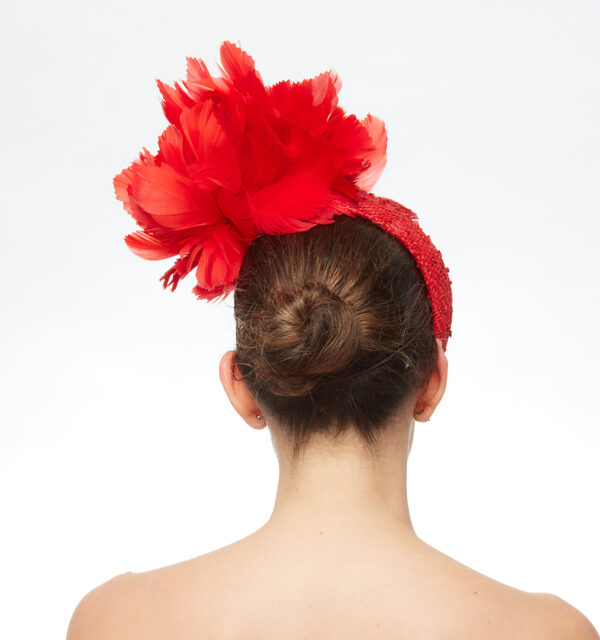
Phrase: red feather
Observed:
(239, 159)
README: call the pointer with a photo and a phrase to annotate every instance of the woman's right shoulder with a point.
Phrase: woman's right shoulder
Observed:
(495, 609)
(556, 619)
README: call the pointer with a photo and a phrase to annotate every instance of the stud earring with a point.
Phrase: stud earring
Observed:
(420, 411)
(259, 417)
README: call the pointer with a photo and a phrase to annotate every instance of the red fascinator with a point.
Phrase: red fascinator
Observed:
(240, 159)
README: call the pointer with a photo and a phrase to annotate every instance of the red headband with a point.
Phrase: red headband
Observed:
(240, 159)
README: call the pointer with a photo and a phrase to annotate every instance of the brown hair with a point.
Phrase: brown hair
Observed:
(316, 311)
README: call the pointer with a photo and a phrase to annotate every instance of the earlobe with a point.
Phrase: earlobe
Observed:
(420, 417)
(442, 375)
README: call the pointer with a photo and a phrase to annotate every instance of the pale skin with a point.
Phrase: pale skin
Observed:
(337, 559)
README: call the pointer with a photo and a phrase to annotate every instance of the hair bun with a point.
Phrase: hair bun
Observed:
(309, 333)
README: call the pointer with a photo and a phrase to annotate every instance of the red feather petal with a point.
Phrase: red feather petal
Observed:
(169, 198)
(220, 259)
(294, 203)
(377, 156)
(122, 186)
(307, 104)
(239, 67)
(174, 101)
(148, 247)
(199, 80)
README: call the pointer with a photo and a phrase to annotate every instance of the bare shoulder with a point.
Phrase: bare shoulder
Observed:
(558, 620)
(105, 611)
(490, 608)
(532, 616)
(159, 603)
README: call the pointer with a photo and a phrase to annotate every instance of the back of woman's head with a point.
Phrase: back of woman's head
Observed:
(316, 311)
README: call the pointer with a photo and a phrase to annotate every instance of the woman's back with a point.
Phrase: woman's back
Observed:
(326, 584)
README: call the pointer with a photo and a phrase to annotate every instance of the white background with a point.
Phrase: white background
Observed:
(119, 450)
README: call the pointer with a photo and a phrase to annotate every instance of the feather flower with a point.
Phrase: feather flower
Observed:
(240, 159)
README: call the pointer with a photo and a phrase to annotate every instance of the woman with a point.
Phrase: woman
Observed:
(343, 310)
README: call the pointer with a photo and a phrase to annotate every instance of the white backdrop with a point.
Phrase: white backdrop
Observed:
(119, 450)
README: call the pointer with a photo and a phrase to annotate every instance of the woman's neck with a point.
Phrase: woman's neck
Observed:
(340, 487)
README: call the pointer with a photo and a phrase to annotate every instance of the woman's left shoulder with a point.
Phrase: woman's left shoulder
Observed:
(150, 604)
(104, 611)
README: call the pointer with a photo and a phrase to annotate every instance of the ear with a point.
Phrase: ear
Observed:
(238, 393)
(433, 390)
